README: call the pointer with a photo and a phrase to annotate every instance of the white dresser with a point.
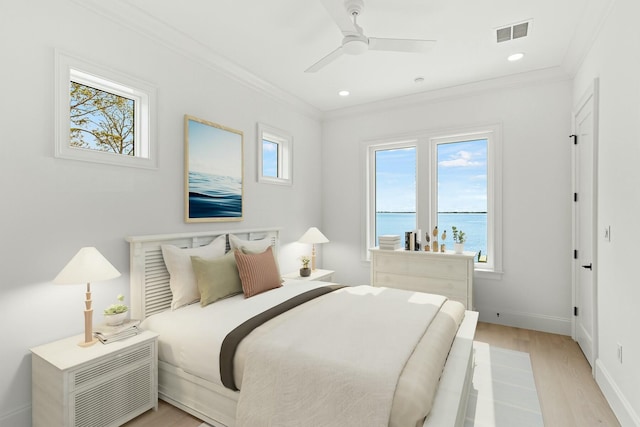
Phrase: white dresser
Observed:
(447, 274)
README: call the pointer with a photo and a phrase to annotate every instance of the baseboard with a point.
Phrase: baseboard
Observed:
(618, 402)
(536, 322)
(19, 417)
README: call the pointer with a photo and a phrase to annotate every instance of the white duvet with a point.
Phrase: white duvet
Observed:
(191, 337)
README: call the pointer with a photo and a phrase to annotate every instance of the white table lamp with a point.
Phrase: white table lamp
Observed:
(88, 265)
(313, 236)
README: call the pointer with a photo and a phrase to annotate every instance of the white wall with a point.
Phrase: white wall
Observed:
(615, 61)
(535, 290)
(52, 207)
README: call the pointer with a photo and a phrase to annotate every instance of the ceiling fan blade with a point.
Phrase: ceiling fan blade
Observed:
(325, 61)
(400, 45)
(340, 15)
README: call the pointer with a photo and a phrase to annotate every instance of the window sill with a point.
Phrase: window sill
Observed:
(487, 274)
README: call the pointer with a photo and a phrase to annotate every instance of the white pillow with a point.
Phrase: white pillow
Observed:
(182, 279)
(255, 246)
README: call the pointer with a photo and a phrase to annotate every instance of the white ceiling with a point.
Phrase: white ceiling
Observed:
(274, 41)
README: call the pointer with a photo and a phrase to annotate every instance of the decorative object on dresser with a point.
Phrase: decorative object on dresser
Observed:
(389, 242)
(87, 266)
(99, 386)
(459, 237)
(313, 236)
(445, 274)
(213, 157)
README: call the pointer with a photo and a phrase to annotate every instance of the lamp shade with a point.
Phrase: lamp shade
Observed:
(313, 235)
(88, 265)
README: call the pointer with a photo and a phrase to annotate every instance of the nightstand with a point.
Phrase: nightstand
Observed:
(317, 275)
(103, 385)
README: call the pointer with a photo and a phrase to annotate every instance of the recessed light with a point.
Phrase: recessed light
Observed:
(515, 57)
(418, 80)
(343, 93)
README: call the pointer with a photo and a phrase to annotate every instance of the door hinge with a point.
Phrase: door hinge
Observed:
(575, 311)
(575, 254)
(575, 139)
(575, 197)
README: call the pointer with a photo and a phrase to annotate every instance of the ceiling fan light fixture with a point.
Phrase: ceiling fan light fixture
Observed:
(354, 45)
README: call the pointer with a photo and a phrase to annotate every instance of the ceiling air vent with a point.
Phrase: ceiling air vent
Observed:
(512, 32)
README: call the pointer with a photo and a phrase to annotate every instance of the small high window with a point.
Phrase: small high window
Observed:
(275, 155)
(103, 116)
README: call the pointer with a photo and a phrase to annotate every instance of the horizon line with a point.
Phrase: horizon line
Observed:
(447, 212)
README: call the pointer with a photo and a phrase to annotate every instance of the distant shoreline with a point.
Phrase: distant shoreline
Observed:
(452, 212)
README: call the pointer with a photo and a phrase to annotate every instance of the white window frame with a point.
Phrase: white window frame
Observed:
(69, 68)
(371, 182)
(284, 141)
(426, 183)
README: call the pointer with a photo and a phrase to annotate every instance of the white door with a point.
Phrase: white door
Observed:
(584, 221)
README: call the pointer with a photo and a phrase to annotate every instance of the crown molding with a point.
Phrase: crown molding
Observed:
(544, 76)
(135, 19)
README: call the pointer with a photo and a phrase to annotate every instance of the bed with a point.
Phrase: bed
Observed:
(202, 395)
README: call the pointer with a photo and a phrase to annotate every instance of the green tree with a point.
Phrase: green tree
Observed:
(101, 120)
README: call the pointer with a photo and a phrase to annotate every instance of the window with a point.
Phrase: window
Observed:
(395, 190)
(275, 155)
(446, 180)
(103, 116)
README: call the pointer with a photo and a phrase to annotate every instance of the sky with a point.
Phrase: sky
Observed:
(462, 178)
(214, 150)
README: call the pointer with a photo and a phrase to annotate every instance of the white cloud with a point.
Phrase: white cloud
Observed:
(460, 159)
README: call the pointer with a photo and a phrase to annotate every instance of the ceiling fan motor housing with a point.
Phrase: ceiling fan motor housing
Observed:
(355, 45)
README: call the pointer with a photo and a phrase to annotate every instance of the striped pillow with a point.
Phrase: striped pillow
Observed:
(258, 272)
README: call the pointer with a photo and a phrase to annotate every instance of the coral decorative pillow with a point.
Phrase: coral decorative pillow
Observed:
(182, 281)
(217, 278)
(258, 272)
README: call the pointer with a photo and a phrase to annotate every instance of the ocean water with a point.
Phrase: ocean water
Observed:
(474, 226)
(214, 196)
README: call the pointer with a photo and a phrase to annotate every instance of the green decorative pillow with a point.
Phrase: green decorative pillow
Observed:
(217, 278)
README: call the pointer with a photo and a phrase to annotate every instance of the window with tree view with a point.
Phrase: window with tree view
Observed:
(103, 116)
(101, 120)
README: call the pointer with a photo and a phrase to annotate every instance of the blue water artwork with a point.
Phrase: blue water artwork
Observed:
(214, 196)
(214, 172)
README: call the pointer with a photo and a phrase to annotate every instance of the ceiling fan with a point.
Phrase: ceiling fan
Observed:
(345, 13)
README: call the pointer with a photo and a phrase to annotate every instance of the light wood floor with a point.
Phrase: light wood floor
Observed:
(568, 394)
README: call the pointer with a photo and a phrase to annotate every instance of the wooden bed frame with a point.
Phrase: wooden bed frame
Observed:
(215, 404)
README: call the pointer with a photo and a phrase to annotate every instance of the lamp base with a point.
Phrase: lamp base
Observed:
(88, 343)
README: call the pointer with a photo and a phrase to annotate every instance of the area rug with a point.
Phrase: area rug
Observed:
(503, 393)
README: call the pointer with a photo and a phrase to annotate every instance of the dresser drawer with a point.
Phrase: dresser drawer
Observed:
(415, 265)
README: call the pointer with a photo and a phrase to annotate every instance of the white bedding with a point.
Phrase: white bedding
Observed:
(335, 362)
(191, 337)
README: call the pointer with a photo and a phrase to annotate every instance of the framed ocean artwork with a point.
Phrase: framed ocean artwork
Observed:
(214, 170)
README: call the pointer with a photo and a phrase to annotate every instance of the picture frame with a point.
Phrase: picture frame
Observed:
(214, 171)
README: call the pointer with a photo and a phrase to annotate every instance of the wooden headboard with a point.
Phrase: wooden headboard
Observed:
(149, 279)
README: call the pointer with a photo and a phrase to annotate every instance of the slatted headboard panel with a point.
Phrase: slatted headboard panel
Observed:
(149, 278)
